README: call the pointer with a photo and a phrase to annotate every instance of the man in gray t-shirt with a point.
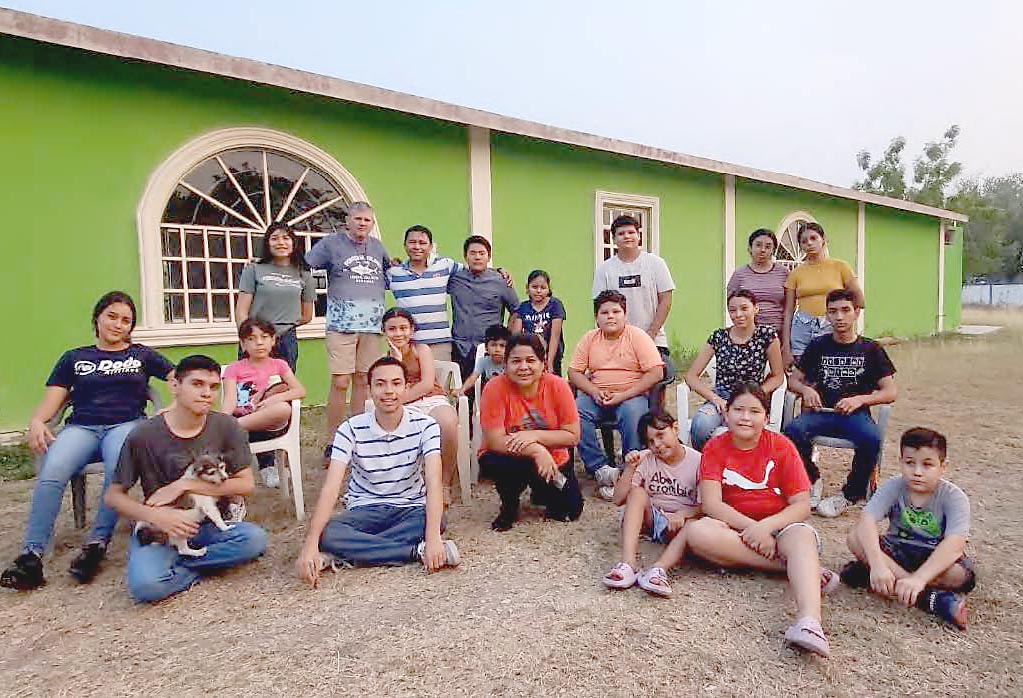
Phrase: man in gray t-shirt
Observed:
(643, 278)
(356, 266)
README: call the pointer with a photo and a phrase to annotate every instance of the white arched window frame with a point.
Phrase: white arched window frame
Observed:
(789, 254)
(152, 328)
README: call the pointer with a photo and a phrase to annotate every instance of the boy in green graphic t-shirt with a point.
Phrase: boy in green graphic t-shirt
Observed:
(920, 558)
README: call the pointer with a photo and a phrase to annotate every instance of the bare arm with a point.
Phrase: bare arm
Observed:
(642, 386)
(241, 484)
(624, 483)
(242, 308)
(39, 434)
(582, 382)
(944, 556)
(854, 286)
(295, 391)
(775, 368)
(307, 564)
(552, 349)
(434, 552)
(798, 509)
(515, 324)
(885, 394)
(469, 382)
(692, 377)
(175, 522)
(786, 325)
(661, 314)
(307, 313)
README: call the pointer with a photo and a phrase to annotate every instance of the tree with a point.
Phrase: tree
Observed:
(933, 171)
(887, 176)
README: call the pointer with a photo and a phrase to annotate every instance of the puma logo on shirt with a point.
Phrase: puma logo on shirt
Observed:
(730, 477)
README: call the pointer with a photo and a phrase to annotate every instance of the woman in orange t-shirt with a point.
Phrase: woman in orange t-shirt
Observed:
(529, 422)
(756, 497)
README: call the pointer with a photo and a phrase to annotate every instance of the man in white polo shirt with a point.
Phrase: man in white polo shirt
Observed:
(395, 498)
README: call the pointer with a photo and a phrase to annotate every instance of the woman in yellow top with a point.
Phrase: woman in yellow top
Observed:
(806, 290)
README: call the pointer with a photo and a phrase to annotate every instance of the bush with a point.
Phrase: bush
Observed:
(16, 463)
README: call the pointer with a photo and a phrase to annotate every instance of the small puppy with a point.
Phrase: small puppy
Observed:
(200, 506)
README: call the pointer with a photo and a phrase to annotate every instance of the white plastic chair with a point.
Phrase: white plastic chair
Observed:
(289, 443)
(477, 430)
(774, 420)
(880, 414)
(449, 374)
(78, 481)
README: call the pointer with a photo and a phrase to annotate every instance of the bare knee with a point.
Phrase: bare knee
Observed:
(446, 419)
(703, 535)
(798, 541)
(340, 382)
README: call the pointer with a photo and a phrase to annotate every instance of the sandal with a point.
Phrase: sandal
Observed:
(621, 576)
(655, 581)
(807, 634)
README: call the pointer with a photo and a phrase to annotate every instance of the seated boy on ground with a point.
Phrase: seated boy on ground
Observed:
(395, 499)
(919, 559)
(659, 491)
(157, 453)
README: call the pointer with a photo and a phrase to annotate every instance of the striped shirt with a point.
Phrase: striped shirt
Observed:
(387, 466)
(425, 296)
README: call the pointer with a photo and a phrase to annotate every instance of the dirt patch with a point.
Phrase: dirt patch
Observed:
(525, 614)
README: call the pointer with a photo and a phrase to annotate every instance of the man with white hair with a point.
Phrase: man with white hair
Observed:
(356, 264)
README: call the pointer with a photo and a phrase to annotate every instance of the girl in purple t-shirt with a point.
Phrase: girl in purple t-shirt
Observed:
(764, 277)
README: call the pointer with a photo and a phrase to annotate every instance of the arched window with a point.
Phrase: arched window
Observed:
(789, 253)
(203, 216)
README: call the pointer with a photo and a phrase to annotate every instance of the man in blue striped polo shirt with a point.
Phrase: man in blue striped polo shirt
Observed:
(395, 499)
(420, 286)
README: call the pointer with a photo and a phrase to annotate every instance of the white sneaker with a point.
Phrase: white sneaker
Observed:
(607, 476)
(833, 506)
(606, 493)
(270, 477)
(451, 555)
(816, 492)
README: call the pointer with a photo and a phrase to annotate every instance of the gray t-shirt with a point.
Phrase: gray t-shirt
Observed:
(356, 281)
(153, 454)
(946, 513)
(477, 302)
(277, 293)
(639, 281)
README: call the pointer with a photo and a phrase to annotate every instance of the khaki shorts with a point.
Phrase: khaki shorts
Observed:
(352, 352)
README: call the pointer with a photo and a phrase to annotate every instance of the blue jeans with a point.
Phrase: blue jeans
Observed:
(75, 447)
(155, 572)
(286, 347)
(858, 427)
(706, 421)
(626, 417)
(375, 534)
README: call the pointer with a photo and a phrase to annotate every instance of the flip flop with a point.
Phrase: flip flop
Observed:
(621, 576)
(807, 634)
(655, 581)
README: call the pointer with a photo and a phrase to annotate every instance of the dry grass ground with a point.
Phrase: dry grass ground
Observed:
(525, 614)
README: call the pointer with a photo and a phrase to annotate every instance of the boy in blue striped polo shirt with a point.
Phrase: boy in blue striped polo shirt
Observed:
(395, 498)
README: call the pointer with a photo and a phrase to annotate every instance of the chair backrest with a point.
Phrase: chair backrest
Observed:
(449, 374)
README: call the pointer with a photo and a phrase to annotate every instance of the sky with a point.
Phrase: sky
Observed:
(790, 86)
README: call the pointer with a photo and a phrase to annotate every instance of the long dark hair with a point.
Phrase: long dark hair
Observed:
(107, 300)
(297, 258)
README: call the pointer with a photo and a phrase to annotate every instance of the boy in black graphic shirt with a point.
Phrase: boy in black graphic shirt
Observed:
(839, 377)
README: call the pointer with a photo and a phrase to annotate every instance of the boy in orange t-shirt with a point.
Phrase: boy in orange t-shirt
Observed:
(613, 367)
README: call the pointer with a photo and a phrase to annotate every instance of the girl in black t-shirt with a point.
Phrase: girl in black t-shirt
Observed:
(106, 385)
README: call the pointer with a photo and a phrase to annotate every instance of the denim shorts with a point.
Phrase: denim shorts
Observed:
(806, 327)
(911, 557)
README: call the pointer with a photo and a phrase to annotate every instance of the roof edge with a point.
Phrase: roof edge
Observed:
(113, 43)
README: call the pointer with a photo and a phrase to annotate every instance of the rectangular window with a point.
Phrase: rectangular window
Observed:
(609, 206)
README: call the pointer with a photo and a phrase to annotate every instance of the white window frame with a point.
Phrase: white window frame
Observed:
(651, 234)
(151, 328)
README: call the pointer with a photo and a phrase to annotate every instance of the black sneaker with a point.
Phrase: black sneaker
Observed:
(86, 565)
(855, 574)
(947, 605)
(328, 450)
(25, 574)
(505, 519)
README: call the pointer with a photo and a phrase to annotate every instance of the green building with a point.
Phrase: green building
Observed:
(139, 165)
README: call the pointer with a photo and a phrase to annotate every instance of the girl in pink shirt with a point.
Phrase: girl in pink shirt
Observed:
(659, 491)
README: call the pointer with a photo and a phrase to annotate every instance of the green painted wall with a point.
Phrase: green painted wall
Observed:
(759, 205)
(545, 193)
(902, 273)
(954, 282)
(81, 135)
